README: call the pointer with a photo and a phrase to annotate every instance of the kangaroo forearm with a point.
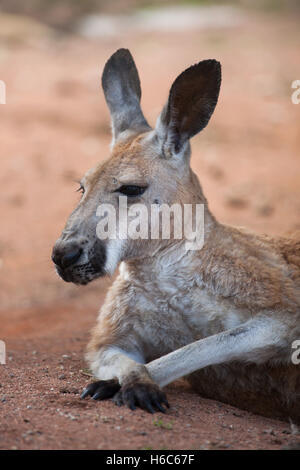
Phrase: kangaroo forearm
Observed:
(255, 341)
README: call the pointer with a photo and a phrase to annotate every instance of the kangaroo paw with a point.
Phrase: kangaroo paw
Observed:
(101, 390)
(147, 396)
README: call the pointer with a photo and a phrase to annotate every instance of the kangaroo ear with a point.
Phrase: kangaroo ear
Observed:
(192, 100)
(122, 90)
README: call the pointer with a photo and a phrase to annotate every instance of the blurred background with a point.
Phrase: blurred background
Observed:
(55, 125)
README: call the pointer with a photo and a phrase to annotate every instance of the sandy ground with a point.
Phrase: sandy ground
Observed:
(54, 127)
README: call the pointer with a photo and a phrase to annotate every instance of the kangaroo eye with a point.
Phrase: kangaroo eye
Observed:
(131, 190)
(80, 189)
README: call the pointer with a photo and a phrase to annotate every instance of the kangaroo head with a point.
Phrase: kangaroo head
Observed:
(146, 166)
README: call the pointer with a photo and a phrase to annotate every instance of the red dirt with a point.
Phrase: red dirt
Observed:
(54, 127)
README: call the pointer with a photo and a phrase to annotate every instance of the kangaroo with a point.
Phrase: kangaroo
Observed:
(225, 316)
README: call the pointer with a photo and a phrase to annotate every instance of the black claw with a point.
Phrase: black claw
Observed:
(131, 402)
(84, 394)
(101, 390)
(99, 395)
(117, 399)
(149, 408)
(89, 390)
(147, 396)
(159, 406)
(165, 402)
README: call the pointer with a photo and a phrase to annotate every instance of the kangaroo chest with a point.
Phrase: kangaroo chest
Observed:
(171, 314)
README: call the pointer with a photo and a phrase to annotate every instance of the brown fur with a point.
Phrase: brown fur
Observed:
(272, 391)
(240, 292)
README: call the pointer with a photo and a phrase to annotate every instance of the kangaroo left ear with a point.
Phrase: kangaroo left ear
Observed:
(192, 100)
(122, 90)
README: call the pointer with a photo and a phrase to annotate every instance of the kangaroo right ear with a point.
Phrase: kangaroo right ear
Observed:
(122, 90)
(192, 100)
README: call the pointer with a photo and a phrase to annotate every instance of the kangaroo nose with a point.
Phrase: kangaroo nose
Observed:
(67, 256)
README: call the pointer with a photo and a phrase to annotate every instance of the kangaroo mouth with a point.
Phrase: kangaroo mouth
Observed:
(82, 274)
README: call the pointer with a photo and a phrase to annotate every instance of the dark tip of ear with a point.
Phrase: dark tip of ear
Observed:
(210, 69)
(121, 61)
(121, 55)
(211, 66)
